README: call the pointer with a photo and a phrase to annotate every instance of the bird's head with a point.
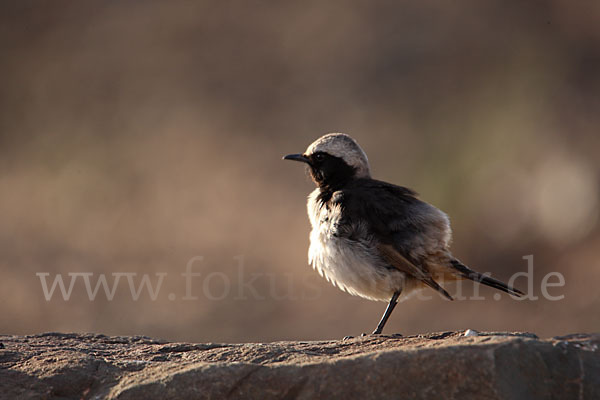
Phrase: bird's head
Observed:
(333, 160)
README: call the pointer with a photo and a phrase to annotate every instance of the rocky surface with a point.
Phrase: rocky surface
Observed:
(451, 365)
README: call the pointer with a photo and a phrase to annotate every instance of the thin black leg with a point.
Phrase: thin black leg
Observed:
(387, 313)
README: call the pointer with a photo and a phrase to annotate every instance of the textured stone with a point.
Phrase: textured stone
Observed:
(448, 365)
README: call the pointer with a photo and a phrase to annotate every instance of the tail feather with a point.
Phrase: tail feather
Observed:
(486, 280)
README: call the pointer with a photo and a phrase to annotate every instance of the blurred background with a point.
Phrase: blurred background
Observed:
(136, 135)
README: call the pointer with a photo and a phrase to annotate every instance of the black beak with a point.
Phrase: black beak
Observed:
(297, 157)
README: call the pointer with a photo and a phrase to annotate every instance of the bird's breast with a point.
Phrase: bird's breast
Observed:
(353, 265)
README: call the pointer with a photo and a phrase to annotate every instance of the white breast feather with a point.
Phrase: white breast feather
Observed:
(350, 265)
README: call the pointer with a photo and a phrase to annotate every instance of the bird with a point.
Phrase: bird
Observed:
(374, 239)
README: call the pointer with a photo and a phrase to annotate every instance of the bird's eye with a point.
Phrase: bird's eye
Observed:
(319, 156)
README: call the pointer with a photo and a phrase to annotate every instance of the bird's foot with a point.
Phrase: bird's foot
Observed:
(348, 337)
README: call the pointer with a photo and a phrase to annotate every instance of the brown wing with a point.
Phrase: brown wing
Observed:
(397, 260)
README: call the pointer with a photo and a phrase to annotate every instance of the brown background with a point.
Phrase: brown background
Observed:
(135, 135)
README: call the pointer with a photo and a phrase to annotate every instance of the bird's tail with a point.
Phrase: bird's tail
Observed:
(468, 273)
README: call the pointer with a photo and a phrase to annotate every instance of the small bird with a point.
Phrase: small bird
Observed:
(374, 239)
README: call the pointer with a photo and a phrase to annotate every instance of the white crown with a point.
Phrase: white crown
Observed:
(342, 146)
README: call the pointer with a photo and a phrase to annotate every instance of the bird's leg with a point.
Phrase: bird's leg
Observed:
(387, 313)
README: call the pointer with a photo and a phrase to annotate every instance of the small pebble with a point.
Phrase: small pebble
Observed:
(470, 332)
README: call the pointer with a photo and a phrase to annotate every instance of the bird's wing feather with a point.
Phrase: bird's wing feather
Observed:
(393, 256)
(393, 215)
(400, 224)
(400, 262)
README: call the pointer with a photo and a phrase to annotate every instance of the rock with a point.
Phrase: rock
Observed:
(449, 365)
(471, 332)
